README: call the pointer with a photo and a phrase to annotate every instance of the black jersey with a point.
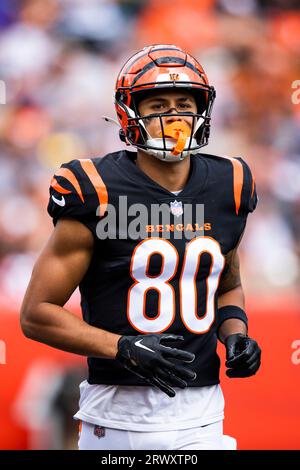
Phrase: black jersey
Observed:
(165, 280)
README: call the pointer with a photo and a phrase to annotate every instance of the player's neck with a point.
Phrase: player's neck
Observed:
(171, 176)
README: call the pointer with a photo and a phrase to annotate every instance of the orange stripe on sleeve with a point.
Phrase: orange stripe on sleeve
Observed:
(54, 184)
(238, 181)
(253, 186)
(96, 180)
(66, 173)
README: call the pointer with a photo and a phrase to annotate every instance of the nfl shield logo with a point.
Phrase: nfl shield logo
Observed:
(176, 208)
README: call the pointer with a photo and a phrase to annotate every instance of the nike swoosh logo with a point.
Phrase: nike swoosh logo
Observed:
(61, 202)
(140, 345)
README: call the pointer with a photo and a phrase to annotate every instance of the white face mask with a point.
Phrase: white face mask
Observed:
(176, 145)
(163, 149)
(168, 155)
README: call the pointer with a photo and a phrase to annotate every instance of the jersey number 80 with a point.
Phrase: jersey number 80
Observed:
(143, 282)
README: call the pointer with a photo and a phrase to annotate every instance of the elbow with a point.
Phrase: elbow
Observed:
(27, 329)
(27, 323)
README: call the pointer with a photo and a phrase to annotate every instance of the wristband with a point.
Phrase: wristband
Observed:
(230, 311)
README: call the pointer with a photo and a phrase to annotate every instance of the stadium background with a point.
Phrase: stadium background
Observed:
(59, 60)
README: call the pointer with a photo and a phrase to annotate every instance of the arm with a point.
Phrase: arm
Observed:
(56, 274)
(231, 293)
(242, 353)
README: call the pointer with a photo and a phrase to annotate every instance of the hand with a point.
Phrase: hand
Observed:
(160, 365)
(242, 356)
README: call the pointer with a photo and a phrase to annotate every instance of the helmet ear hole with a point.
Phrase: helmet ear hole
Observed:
(134, 134)
(121, 97)
(122, 135)
(131, 137)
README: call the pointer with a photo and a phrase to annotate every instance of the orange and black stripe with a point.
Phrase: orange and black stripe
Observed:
(69, 176)
(96, 180)
(90, 170)
(253, 186)
(238, 181)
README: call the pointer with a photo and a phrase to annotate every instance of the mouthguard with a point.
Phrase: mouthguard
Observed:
(179, 131)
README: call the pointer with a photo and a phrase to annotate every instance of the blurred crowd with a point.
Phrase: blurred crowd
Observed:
(58, 64)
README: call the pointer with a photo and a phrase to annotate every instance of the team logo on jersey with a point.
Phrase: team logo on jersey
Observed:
(176, 208)
(99, 431)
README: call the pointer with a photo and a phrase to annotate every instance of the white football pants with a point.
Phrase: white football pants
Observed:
(93, 437)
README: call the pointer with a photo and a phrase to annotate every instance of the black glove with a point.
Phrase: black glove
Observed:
(242, 356)
(159, 365)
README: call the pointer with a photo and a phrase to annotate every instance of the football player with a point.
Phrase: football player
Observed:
(153, 305)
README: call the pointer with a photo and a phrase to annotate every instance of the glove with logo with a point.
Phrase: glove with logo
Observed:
(159, 365)
(242, 356)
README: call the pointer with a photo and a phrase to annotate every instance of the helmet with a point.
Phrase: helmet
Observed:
(163, 67)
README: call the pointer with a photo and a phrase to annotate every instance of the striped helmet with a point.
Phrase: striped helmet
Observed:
(156, 67)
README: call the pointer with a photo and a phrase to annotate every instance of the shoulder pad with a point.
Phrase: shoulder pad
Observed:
(244, 189)
(78, 191)
(249, 195)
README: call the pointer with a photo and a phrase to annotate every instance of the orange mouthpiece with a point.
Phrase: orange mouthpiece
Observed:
(180, 131)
